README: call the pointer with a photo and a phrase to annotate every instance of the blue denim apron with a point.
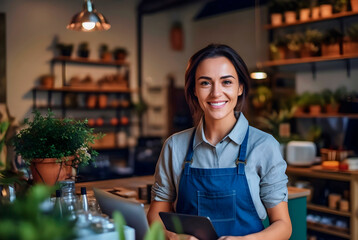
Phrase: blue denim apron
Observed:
(222, 194)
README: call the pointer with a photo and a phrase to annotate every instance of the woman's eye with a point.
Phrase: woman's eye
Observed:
(204, 83)
(227, 82)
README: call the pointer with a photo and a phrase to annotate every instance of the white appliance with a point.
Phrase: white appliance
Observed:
(301, 153)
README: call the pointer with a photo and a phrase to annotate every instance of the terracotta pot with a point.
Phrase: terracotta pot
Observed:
(315, 13)
(102, 100)
(305, 51)
(91, 101)
(330, 50)
(304, 14)
(49, 170)
(326, 10)
(176, 38)
(290, 17)
(47, 81)
(315, 109)
(350, 47)
(106, 56)
(276, 19)
(299, 110)
(354, 5)
(332, 108)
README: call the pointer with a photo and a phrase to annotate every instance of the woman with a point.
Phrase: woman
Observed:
(222, 168)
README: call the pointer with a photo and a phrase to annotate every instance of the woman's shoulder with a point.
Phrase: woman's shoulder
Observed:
(260, 137)
(181, 137)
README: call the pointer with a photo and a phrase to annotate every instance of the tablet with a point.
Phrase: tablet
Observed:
(197, 226)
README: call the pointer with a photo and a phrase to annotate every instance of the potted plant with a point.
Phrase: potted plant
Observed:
(290, 8)
(276, 10)
(331, 40)
(315, 103)
(312, 43)
(104, 53)
(326, 8)
(4, 125)
(354, 5)
(330, 101)
(278, 49)
(350, 44)
(47, 80)
(304, 6)
(83, 50)
(302, 103)
(295, 41)
(340, 6)
(65, 50)
(315, 10)
(120, 54)
(53, 147)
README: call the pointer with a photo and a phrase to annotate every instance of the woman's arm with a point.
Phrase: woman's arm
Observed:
(280, 226)
(155, 208)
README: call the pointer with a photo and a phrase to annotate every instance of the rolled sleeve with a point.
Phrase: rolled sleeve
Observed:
(273, 183)
(163, 188)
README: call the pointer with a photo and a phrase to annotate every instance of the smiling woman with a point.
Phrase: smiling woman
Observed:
(222, 161)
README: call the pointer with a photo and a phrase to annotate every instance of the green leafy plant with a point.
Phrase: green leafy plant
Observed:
(352, 32)
(340, 5)
(304, 4)
(276, 6)
(83, 49)
(295, 41)
(322, 2)
(315, 99)
(24, 219)
(313, 39)
(120, 53)
(3, 129)
(65, 49)
(332, 36)
(290, 5)
(49, 137)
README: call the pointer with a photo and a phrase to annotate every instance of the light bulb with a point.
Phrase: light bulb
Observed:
(88, 25)
(258, 75)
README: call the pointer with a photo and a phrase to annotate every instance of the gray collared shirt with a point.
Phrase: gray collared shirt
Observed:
(265, 167)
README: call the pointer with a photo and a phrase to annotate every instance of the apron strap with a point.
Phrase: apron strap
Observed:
(189, 155)
(241, 160)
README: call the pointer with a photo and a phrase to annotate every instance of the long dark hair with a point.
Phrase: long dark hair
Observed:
(212, 51)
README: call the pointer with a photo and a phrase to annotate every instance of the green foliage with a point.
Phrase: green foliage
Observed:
(290, 5)
(340, 5)
(119, 224)
(3, 129)
(352, 32)
(295, 41)
(304, 4)
(315, 99)
(303, 100)
(313, 36)
(24, 220)
(332, 36)
(155, 232)
(321, 2)
(49, 137)
(328, 97)
(276, 6)
(83, 46)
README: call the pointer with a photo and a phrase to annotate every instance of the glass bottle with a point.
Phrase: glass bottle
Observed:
(69, 198)
(83, 199)
(58, 204)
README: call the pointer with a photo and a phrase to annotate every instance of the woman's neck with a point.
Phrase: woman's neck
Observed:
(216, 130)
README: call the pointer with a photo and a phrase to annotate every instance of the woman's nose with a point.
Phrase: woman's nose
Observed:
(216, 90)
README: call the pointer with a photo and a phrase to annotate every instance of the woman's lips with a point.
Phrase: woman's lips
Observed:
(217, 104)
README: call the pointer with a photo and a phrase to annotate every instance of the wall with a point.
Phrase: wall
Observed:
(31, 29)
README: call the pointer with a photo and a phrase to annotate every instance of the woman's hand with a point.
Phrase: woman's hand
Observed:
(174, 236)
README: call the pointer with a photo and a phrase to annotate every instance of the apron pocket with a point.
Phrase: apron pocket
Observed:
(218, 206)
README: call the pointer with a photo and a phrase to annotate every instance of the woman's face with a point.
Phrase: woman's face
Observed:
(217, 88)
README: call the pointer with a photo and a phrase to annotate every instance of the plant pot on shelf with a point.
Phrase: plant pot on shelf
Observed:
(332, 108)
(330, 49)
(326, 10)
(315, 14)
(47, 81)
(290, 17)
(350, 47)
(315, 109)
(354, 5)
(91, 101)
(304, 14)
(51, 170)
(276, 19)
(102, 100)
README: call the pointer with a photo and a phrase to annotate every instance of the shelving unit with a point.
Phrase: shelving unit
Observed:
(313, 60)
(59, 99)
(327, 115)
(350, 177)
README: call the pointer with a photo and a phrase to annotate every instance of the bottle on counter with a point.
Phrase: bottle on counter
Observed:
(58, 204)
(83, 199)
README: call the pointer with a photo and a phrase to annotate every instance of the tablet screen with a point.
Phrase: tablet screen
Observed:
(197, 226)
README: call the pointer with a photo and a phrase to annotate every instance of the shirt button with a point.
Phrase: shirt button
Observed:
(221, 142)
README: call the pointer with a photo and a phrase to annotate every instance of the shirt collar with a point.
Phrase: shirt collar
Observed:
(237, 134)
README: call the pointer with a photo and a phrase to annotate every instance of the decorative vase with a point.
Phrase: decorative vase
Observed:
(51, 170)
(304, 14)
(276, 19)
(326, 10)
(354, 5)
(290, 17)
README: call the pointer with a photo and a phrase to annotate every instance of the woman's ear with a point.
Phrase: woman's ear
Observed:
(241, 89)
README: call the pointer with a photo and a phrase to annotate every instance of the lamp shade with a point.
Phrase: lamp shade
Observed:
(88, 19)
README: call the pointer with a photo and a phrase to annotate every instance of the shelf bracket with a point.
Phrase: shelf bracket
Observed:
(314, 70)
(348, 65)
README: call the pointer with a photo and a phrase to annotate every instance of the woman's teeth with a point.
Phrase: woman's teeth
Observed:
(217, 103)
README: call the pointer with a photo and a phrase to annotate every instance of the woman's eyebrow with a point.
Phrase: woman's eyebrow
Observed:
(205, 77)
(227, 76)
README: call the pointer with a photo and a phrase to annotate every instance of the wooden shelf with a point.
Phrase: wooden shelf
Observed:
(308, 60)
(324, 209)
(314, 172)
(87, 90)
(326, 115)
(89, 61)
(328, 230)
(334, 16)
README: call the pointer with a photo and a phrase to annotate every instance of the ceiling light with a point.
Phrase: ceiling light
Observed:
(88, 19)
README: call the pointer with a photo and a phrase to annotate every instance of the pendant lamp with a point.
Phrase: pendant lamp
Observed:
(258, 73)
(88, 19)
